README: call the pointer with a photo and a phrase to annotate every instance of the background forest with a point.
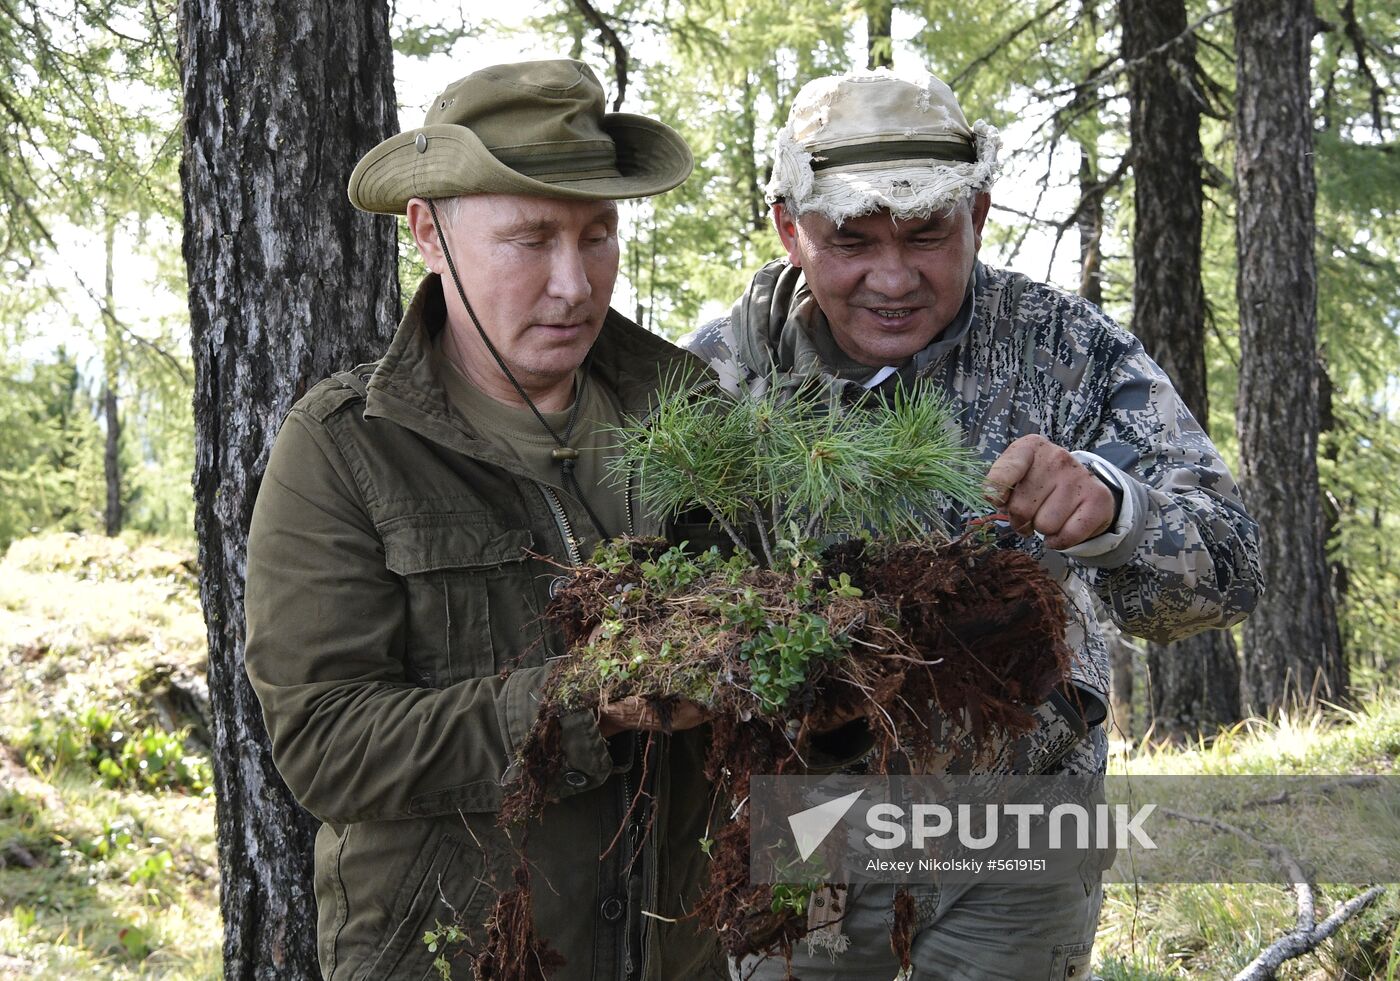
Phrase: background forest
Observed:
(1137, 135)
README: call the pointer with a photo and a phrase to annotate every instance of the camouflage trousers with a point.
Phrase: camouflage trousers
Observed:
(964, 932)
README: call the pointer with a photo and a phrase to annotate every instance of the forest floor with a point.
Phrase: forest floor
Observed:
(107, 858)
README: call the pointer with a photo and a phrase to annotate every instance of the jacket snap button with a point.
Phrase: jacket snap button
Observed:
(556, 584)
(576, 779)
(612, 909)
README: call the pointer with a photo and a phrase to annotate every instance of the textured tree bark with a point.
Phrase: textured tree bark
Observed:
(879, 33)
(1292, 648)
(1090, 226)
(111, 354)
(1194, 684)
(111, 458)
(287, 285)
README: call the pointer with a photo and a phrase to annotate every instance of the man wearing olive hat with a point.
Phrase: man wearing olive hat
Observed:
(414, 514)
(880, 190)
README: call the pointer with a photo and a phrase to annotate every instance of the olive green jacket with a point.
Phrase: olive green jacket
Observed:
(397, 569)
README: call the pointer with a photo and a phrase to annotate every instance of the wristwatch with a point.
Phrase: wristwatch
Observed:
(1101, 469)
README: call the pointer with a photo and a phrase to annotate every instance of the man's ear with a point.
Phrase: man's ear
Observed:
(981, 204)
(425, 235)
(786, 225)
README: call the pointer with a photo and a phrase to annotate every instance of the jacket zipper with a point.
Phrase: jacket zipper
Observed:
(561, 520)
(566, 530)
(630, 845)
(649, 872)
(627, 501)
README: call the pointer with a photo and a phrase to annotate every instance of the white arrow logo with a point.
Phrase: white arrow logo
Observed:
(810, 827)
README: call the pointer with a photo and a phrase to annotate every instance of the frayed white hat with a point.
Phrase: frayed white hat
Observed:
(871, 140)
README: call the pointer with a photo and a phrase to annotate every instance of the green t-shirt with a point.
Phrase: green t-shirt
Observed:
(516, 432)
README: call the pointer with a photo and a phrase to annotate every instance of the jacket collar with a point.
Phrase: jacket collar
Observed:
(404, 387)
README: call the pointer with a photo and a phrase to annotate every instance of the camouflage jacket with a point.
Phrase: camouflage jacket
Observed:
(1023, 357)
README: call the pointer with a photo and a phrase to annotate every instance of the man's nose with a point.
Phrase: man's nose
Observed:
(568, 276)
(891, 275)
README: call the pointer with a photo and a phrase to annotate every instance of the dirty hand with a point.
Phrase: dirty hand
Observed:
(638, 713)
(1042, 488)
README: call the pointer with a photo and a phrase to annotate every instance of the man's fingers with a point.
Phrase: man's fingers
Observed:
(1008, 470)
(1088, 521)
(1028, 500)
(1042, 488)
(1055, 512)
(639, 714)
(1022, 508)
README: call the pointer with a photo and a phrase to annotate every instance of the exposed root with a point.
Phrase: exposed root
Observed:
(512, 951)
(975, 631)
(902, 929)
(541, 762)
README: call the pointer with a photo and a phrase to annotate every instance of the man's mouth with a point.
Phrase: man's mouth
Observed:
(893, 318)
(569, 325)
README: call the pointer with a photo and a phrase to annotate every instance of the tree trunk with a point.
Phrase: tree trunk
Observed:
(1169, 306)
(1292, 648)
(111, 459)
(1090, 225)
(1331, 508)
(1121, 677)
(753, 186)
(879, 33)
(287, 284)
(111, 356)
(1194, 683)
(1193, 686)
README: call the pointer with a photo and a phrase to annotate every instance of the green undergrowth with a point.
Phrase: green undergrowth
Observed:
(107, 855)
(1210, 930)
(113, 874)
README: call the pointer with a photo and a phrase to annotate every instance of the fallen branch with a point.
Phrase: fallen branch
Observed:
(1307, 933)
(1326, 789)
(1301, 941)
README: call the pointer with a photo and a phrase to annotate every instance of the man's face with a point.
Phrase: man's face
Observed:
(539, 272)
(887, 286)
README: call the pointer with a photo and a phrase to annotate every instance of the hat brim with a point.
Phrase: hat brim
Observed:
(651, 158)
(905, 192)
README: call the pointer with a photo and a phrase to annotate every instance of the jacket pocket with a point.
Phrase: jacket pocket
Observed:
(388, 883)
(470, 594)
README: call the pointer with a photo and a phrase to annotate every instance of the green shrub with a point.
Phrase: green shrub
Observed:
(123, 753)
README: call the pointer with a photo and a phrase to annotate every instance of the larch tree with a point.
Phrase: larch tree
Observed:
(879, 33)
(1194, 684)
(287, 284)
(1292, 646)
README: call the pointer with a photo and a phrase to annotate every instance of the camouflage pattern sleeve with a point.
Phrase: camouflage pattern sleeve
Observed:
(1190, 561)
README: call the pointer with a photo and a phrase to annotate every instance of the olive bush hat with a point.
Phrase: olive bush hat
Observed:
(871, 140)
(534, 127)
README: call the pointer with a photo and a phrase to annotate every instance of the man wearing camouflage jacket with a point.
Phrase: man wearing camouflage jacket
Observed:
(879, 194)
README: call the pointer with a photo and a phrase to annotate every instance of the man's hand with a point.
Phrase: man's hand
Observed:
(637, 713)
(1042, 488)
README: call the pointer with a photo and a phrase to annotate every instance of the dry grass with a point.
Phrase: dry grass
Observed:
(98, 882)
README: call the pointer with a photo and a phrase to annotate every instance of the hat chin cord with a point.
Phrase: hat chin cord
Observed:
(563, 452)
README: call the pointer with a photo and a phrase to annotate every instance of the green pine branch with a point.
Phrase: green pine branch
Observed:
(787, 460)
